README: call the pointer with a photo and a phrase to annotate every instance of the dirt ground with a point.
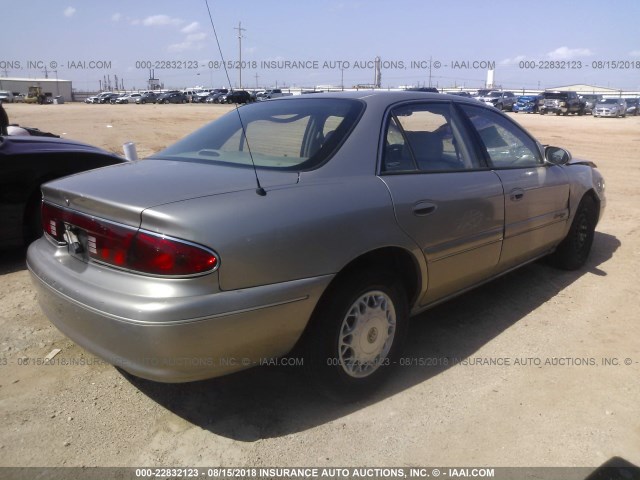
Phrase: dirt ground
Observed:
(552, 402)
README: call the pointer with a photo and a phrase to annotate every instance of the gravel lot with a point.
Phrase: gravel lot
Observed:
(571, 411)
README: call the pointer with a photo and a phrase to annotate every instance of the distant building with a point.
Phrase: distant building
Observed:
(582, 88)
(51, 87)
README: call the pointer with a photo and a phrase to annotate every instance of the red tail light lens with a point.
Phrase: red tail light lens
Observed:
(125, 247)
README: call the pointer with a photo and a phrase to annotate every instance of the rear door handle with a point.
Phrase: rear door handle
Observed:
(424, 208)
(516, 194)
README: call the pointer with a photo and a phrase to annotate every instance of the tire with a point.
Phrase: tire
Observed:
(499, 106)
(542, 112)
(573, 251)
(356, 333)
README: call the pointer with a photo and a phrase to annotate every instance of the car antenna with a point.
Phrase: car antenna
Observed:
(260, 191)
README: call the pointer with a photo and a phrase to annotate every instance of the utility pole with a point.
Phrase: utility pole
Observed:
(240, 30)
(429, 71)
(257, 80)
(57, 89)
(46, 72)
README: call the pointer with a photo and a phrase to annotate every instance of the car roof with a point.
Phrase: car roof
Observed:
(375, 97)
(19, 145)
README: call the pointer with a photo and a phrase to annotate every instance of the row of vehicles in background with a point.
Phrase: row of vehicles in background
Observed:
(558, 103)
(210, 95)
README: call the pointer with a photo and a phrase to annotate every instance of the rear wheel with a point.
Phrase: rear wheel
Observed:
(357, 332)
(573, 251)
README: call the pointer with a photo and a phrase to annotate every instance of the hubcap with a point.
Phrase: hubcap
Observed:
(366, 334)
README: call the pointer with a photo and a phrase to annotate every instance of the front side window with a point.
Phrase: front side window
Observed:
(291, 135)
(425, 137)
(506, 144)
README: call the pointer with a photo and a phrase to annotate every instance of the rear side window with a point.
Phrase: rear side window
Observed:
(506, 144)
(425, 138)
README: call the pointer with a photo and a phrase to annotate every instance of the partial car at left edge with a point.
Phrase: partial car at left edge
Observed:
(27, 162)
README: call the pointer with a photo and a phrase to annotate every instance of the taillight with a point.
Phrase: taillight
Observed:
(124, 247)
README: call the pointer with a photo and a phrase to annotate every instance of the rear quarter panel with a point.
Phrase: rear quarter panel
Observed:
(291, 233)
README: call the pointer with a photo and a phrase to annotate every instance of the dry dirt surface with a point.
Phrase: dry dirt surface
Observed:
(551, 402)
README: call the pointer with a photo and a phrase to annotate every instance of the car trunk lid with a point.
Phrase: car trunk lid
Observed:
(121, 193)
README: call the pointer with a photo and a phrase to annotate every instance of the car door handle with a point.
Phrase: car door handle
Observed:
(516, 194)
(424, 208)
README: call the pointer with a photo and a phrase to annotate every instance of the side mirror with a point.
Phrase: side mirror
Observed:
(556, 155)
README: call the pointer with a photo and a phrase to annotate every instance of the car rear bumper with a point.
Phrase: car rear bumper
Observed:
(227, 332)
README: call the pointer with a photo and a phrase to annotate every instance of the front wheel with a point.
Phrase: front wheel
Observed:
(357, 332)
(573, 251)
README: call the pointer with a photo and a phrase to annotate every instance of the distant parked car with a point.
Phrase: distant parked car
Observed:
(110, 98)
(422, 89)
(6, 96)
(370, 207)
(216, 97)
(460, 94)
(590, 101)
(561, 103)
(99, 98)
(238, 96)
(611, 107)
(527, 103)
(128, 98)
(26, 162)
(148, 97)
(633, 107)
(172, 97)
(500, 100)
(200, 97)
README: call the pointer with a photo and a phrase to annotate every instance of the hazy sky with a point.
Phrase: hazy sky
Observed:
(531, 44)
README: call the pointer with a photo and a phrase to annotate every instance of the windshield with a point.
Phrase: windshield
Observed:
(555, 95)
(609, 100)
(495, 94)
(286, 134)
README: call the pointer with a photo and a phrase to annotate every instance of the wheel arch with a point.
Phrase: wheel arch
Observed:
(392, 258)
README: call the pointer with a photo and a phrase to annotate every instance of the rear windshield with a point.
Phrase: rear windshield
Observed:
(296, 134)
(555, 95)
